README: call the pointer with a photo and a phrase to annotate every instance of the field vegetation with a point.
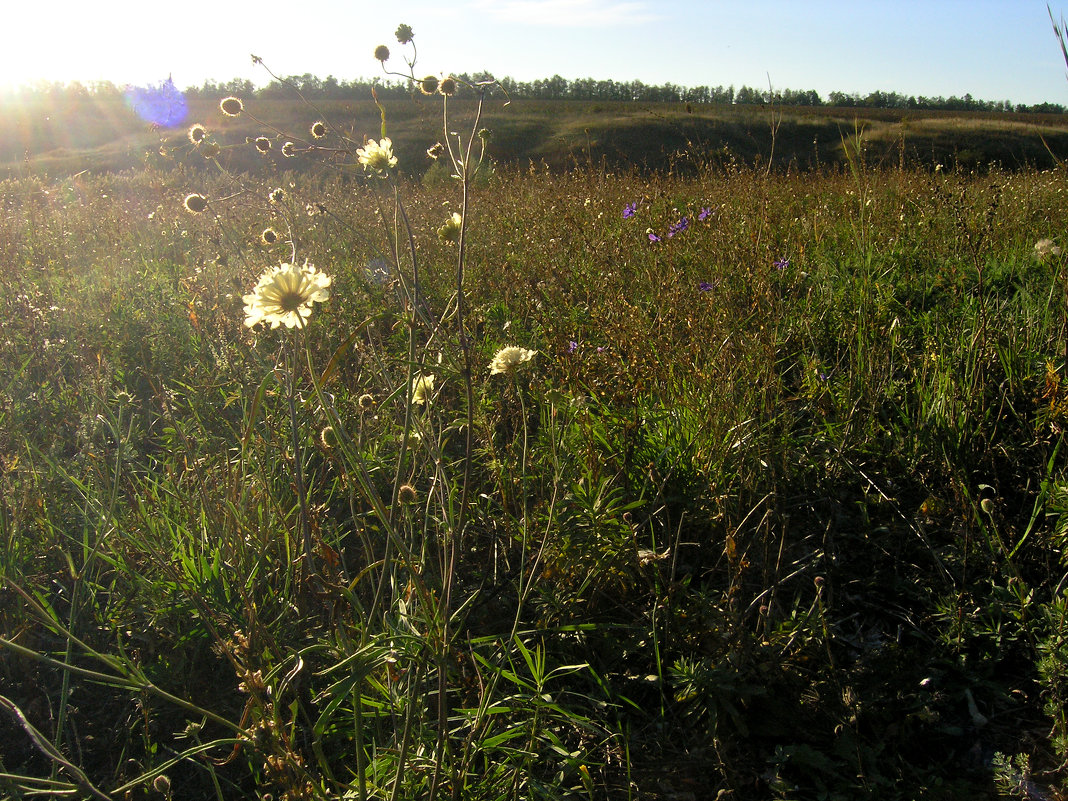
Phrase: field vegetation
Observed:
(640, 470)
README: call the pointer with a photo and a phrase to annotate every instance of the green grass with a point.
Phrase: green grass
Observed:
(748, 527)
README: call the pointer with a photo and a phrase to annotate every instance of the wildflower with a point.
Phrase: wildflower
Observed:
(629, 210)
(404, 33)
(703, 215)
(366, 401)
(289, 150)
(1044, 248)
(422, 389)
(436, 150)
(507, 359)
(269, 236)
(572, 346)
(210, 150)
(448, 86)
(197, 134)
(678, 227)
(195, 203)
(704, 286)
(231, 106)
(263, 144)
(782, 264)
(653, 237)
(406, 494)
(277, 195)
(484, 135)
(377, 156)
(428, 85)
(382, 53)
(285, 294)
(318, 129)
(450, 231)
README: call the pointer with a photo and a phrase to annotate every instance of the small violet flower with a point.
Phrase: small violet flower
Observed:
(705, 212)
(782, 264)
(653, 237)
(679, 227)
(572, 346)
(629, 209)
(704, 286)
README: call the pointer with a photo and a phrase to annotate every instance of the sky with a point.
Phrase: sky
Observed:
(991, 49)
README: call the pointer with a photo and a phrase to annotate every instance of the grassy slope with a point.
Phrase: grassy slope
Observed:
(103, 135)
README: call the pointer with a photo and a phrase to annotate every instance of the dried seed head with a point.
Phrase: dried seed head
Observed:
(195, 203)
(197, 134)
(263, 144)
(406, 494)
(318, 129)
(382, 53)
(231, 106)
(404, 33)
(448, 86)
(428, 85)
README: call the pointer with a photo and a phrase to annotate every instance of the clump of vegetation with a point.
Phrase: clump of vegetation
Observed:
(324, 481)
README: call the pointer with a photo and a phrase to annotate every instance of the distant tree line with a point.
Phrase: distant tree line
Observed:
(559, 88)
(591, 89)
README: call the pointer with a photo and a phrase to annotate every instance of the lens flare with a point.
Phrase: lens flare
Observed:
(162, 105)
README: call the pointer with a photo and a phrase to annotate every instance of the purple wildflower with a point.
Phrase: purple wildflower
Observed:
(572, 346)
(600, 348)
(705, 212)
(782, 264)
(679, 227)
(653, 237)
(629, 209)
(704, 286)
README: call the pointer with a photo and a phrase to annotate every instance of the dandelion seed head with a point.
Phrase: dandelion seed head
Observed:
(1044, 249)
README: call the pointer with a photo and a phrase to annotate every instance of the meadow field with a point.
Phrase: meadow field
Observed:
(324, 476)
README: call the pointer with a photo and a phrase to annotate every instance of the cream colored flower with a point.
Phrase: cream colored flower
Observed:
(507, 359)
(285, 294)
(422, 389)
(377, 156)
(1044, 248)
(450, 231)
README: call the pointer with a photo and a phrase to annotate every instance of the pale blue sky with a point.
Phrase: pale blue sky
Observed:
(993, 49)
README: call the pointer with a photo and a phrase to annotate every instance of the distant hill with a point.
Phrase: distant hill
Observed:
(99, 133)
